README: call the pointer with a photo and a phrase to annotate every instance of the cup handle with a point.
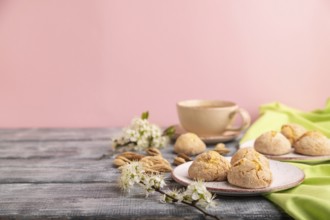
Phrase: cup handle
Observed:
(246, 121)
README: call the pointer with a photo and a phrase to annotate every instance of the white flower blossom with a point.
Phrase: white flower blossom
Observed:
(172, 196)
(197, 192)
(153, 182)
(141, 134)
(131, 174)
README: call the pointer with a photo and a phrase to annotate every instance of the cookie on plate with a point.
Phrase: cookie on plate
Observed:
(251, 174)
(272, 143)
(209, 166)
(250, 154)
(313, 143)
(292, 132)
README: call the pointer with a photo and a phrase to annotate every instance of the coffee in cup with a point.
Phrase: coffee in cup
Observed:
(211, 117)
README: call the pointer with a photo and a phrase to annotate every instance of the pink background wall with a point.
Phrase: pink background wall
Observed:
(99, 63)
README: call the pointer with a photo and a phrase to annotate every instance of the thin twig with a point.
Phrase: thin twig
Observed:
(188, 203)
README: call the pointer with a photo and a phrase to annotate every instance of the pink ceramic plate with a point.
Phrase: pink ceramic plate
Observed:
(290, 156)
(285, 176)
(226, 136)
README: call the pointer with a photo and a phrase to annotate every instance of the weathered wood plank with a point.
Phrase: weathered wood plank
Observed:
(64, 149)
(60, 162)
(105, 200)
(57, 134)
(70, 149)
(56, 171)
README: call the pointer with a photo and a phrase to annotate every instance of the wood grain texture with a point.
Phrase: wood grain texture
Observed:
(53, 149)
(57, 134)
(106, 200)
(56, 171)
(58, 174)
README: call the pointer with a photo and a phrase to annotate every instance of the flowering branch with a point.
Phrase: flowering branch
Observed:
(195, 195)
(141, 134)
(188, 203)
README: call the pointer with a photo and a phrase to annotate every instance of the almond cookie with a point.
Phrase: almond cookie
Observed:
(250, 154)
(189, 144)
(209, 166)
(272, 143)
(313, 143)
(251, 174)
(292, 132)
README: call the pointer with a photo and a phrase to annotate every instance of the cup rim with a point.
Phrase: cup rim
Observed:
(192, 104)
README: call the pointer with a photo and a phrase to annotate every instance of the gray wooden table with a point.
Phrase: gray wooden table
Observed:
(57, 174)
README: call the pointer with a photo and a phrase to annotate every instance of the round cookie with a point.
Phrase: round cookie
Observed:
(250, 154)
(189, 144)
(209, 166)
(251, 174)
(313, 143)
(272, 143)
(292, 132)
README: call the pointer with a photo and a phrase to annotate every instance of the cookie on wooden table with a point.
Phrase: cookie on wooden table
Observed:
(189, 144)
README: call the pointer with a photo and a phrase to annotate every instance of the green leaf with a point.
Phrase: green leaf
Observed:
(170, 131)
(145, 115)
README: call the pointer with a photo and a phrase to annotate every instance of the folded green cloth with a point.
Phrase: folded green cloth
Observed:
(274, 115)
(311, 199)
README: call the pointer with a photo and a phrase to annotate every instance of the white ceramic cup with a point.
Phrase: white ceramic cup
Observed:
(211, 117)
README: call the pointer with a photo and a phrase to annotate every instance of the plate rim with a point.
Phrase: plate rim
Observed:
(286, 157)
(238, 191)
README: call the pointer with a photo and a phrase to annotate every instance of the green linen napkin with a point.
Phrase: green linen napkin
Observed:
(311, 199)
(274, 115)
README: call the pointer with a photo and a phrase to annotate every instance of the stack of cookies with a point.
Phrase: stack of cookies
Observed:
(295, 138)
(247, 168)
